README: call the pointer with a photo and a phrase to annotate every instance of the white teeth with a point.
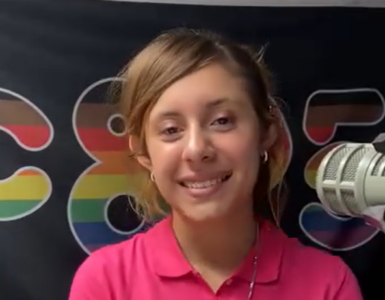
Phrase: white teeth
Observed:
(204, 184)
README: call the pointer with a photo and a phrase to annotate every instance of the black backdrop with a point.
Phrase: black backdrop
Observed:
(56, 60)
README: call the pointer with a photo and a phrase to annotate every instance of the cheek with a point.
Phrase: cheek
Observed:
(247, 159)
(246, 153)
(164, 161)
(163, 168)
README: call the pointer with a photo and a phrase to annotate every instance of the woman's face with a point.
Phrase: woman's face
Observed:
(204, 145)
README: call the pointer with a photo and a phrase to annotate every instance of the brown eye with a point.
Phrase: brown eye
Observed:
(223, 124)
(222, 121)
(170, 130)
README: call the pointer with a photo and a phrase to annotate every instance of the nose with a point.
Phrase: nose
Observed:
(198, 147)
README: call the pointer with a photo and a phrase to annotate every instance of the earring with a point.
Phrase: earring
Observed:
(152, 177)
(265, 157)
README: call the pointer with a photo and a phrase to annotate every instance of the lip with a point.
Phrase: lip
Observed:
(206, 191)
(206, 177)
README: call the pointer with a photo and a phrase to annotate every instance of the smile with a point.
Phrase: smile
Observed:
(205, 184)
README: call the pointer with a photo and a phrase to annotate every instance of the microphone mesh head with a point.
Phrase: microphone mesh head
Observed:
(337, 176)
(379, 169)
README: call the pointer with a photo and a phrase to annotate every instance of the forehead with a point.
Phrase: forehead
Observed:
(204, 89)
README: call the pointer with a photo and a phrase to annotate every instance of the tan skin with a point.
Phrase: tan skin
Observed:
(204, 128)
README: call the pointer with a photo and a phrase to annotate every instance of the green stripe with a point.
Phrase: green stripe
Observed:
(13, 208)
(91, 210)
(88, 210)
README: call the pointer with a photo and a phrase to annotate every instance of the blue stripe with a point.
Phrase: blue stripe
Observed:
(321, 221)
(100, 233)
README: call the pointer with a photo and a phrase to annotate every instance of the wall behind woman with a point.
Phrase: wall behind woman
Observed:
(64, 168)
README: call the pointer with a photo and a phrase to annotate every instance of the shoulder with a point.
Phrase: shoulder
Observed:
(303, 255)
(107, 271)
(326, 273)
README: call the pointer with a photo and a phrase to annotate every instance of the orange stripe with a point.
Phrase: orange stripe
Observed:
(314, 162)
(29, 173)
(115, 162)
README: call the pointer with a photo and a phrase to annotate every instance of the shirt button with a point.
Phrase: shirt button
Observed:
(229, 281)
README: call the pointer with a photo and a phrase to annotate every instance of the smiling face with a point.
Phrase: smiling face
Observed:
(204, 145)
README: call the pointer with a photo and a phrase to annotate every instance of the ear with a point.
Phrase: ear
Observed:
(270, 136)
(134, 145)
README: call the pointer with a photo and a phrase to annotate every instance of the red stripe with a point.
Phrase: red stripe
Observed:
(95, 139)
(29, 135)
(320, 134)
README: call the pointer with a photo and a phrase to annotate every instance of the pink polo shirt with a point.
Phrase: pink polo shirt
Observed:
(150, 266)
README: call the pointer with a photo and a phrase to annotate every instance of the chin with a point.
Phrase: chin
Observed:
(205, 213)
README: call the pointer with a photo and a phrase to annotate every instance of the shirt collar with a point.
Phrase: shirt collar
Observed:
(269, 255)
(169, 261)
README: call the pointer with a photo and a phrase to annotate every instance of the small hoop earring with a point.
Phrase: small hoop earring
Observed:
(152, 177)
(265, 157)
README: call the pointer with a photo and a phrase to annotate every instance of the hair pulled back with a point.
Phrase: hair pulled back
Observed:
(180, 52)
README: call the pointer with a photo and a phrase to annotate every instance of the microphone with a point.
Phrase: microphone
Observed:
(350, 181)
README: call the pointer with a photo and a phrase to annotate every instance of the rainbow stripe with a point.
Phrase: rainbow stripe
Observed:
(28, 188)
(23, 192)
(314, 162)
(90, 196)
(113, 174)
(30, 136)
(334, 233)
(320, 134)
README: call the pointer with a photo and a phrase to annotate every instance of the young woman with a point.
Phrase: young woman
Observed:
(202, 122)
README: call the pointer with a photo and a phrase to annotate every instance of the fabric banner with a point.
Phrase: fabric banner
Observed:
(64, 174)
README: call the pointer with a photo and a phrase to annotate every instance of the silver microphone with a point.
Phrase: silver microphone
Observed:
(350, 181)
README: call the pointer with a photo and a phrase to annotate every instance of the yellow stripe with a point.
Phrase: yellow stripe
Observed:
(106, 186)
(310, 178)
(25, 187)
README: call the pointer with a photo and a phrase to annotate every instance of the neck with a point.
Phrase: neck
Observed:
(219, 245)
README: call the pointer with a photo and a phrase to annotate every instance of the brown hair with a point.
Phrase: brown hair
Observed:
(175, 54)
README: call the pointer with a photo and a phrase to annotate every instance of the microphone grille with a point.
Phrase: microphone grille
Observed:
(379, 169)
(332, 164)
(336, 178)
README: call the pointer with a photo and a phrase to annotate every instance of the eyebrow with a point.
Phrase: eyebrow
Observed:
(210, 105)
(217, 102)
